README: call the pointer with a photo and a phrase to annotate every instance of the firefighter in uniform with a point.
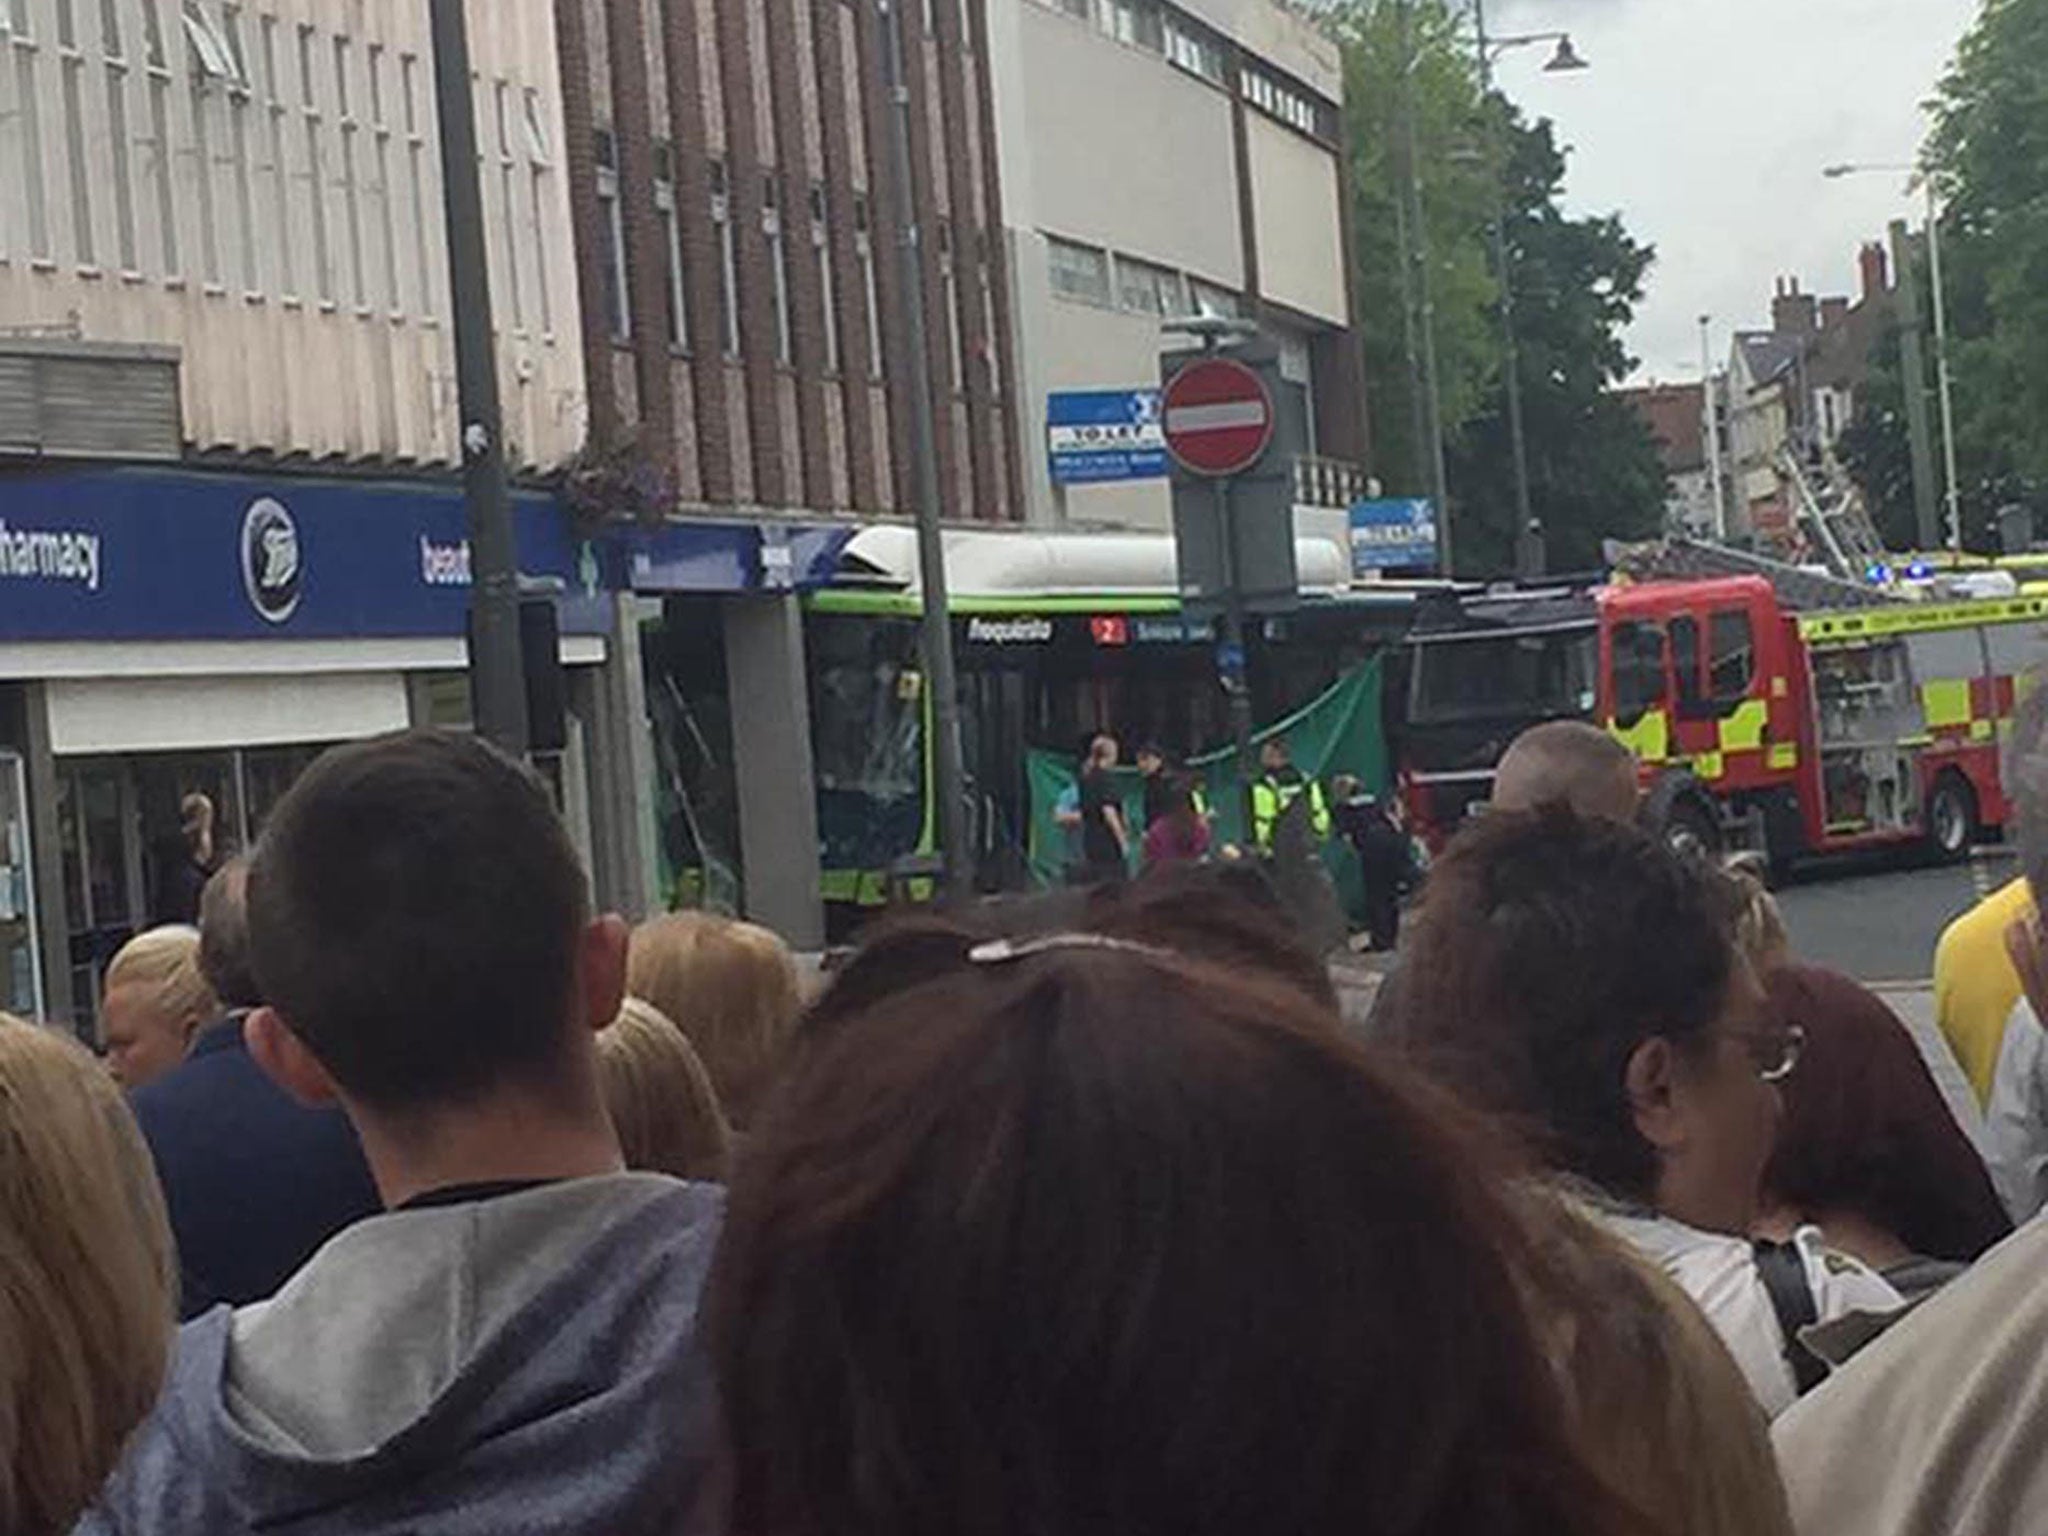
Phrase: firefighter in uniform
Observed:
(1276, 790)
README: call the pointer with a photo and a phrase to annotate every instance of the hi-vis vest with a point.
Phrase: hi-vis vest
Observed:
(1271, 799)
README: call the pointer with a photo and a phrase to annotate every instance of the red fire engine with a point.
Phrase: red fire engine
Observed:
(1752, 724)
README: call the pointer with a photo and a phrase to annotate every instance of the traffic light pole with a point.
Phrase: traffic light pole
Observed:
(497, 679)
(949, 772)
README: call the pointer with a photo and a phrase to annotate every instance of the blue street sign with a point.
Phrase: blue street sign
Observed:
(1392, 533)
(1100, 435)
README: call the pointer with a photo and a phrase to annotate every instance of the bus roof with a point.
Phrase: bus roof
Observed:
(1010, 563)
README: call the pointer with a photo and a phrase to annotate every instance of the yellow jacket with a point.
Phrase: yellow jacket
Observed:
(1975, 986)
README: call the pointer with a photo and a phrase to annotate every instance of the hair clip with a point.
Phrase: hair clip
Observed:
(1003, 951)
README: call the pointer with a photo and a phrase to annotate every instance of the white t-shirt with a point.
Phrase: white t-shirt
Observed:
(1719, 1273)
(2016, 1116)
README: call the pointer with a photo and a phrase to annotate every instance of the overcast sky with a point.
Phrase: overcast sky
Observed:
(1705, 124)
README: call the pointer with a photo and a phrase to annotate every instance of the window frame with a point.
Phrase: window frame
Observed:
(1630, 709)
(1062, 262)
(1744, 654)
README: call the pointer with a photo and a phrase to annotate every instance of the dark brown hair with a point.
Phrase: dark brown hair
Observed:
(1101, 1239)
(414, 910)
(1865, 1129)
(1549, 946)
(224, 936)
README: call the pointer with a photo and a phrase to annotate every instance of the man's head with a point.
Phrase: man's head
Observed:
(1102, 751)
(224, 937)
(422, 935)
(1151, 759)
(152, 1002)
(1581, 980)
(195, 822)
(1567, 762)
(1275, 754)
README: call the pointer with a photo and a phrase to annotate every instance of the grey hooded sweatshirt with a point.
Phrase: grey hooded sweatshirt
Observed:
(524, 1363)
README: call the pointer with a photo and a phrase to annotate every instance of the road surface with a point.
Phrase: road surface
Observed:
(1879, 920)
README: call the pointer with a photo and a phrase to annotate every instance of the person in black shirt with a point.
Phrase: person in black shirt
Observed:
(1105, 839)
(1157, 770)
(1386, 857)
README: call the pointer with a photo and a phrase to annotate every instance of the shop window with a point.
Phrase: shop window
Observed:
(21, 989)
(1078, 271)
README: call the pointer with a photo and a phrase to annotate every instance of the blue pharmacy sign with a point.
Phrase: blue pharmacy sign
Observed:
(1392, 533)
(168, 554)
(1099, 435)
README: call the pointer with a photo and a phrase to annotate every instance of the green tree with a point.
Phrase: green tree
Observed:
(1594, 473)
(1989, 160)
(1378, 44)
(1873, 447)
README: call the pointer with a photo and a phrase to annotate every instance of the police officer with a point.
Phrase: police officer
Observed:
(1277, 788)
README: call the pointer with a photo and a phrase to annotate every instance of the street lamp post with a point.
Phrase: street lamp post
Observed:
(1944, 379)
(1713, 426)
(496, 670)
(1529, 555)
(1439, 478)
(949, 772)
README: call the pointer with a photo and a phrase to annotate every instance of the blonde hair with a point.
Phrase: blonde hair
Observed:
(1759, 925)
(1662, 1410)
(86, 1278)
(659, 1095)
(732, 989)
(166, 961)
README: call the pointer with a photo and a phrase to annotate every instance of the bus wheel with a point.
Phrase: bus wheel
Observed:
(1951, 817)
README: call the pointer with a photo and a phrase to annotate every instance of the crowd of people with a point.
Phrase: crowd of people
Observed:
(1083, 1212)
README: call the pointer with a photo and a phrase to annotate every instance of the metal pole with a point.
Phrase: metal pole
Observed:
(1237, 680)
(1439, 480)
(949, 771)
(1941, 374)
(1713, 414)
(1528, 548)
(1419, 425)
(497, 677)
(1913, 373)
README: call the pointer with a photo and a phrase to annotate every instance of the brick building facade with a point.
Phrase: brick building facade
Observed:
(737, 264)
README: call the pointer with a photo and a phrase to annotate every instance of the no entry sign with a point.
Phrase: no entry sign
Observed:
(1218, 417)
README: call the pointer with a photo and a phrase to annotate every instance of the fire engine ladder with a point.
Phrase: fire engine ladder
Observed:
(1800, 591)
(1831, 510)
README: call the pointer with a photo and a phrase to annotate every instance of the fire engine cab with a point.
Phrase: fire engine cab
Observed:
(1752, 724)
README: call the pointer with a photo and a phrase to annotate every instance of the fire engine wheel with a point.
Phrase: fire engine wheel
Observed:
(1951, 817)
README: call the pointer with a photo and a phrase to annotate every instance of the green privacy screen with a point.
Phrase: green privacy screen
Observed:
(1340, 732)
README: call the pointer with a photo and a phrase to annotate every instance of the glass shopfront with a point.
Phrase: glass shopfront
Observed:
(21, 975)
(122, 823)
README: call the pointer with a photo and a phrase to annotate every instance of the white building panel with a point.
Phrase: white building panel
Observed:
(258, 184)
